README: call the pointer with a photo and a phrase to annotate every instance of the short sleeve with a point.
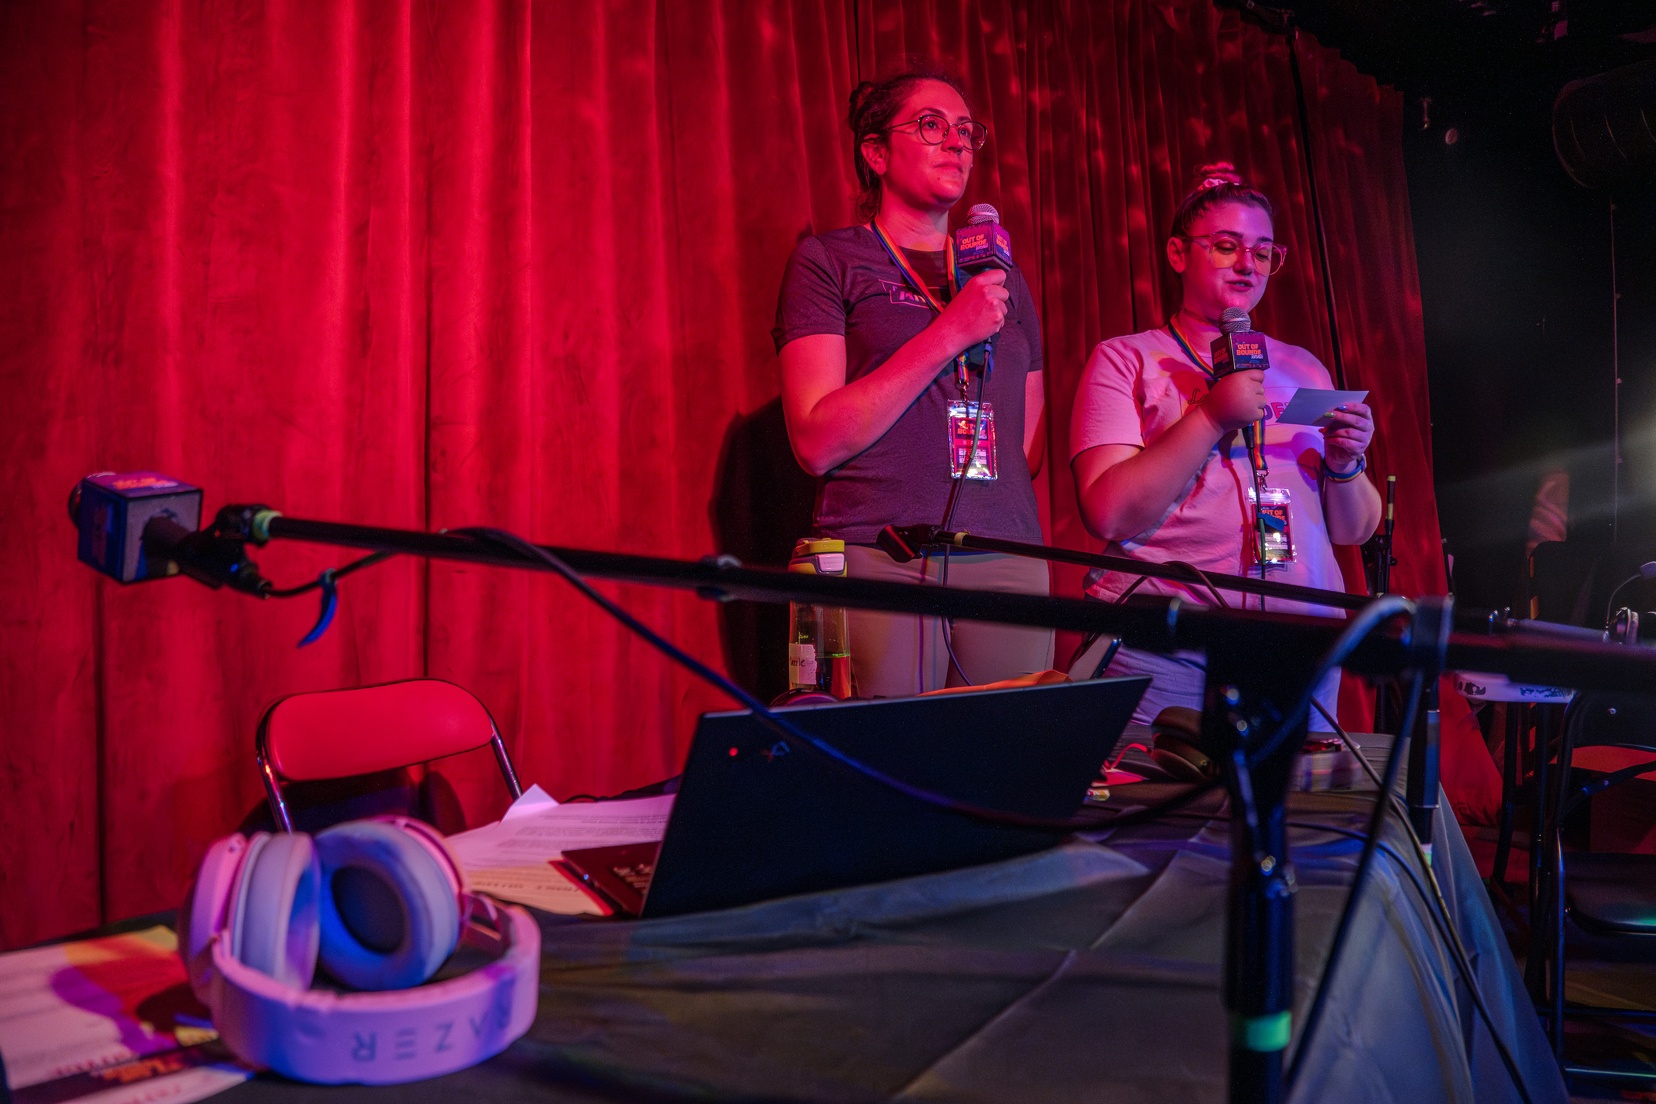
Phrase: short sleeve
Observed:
(812, 300)
(1106, 404)
(1032, 326)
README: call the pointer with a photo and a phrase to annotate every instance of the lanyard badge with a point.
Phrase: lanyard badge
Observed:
(1273, 521)
(920, 287)
(971, 425)
(972, 434)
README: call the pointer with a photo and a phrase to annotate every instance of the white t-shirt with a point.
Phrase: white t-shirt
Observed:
(1133, 390)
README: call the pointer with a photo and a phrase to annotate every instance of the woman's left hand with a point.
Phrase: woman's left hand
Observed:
(1347, 437)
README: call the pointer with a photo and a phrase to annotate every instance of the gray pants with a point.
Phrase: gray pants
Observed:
(895, 655)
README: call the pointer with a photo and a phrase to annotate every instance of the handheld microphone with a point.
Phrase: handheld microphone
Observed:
(1238, 349)
(982, 244)
(135, 526)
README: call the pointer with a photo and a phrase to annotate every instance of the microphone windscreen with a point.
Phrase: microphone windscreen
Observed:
(983, 242)
(1234, 320)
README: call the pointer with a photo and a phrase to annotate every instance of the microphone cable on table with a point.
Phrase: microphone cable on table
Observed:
(1348, 640)
(1371, 844)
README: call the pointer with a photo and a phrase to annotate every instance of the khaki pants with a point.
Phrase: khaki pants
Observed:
(895, 655)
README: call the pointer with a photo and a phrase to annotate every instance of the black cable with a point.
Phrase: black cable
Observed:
(1441, 920)
(1369, 618)
(1259, 505)
(1128, 593)
(1446, 925)
(1610, 603)
(1201, 577)
(954, 499)
(338, 574)
(1092, 638)
(1451, 938)
(1437, 909)
(944, 623)
(977, 430)
(792, 733)
(1377, 816)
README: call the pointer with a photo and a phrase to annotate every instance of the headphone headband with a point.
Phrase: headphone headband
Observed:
(379, 1038)
(247, 918)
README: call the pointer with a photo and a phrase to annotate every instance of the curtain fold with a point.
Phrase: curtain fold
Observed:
(426, 264)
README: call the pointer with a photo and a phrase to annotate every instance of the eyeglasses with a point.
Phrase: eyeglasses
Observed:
(1225, 251)
(934, 129)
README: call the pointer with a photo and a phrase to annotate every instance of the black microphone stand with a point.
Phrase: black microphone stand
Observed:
(1378, 554)
(1259, 665)
(904, 542)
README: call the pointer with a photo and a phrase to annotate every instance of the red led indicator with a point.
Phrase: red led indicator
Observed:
(733, 753)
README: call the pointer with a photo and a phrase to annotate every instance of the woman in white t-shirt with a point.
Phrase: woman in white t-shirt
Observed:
(1161, 468)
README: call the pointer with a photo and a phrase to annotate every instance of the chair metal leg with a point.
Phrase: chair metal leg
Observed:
(1510, 780)
(1556, 1028)
(1538, 840)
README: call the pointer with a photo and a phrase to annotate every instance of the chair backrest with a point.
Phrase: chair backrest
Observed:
(340, 733)
(1612, 720)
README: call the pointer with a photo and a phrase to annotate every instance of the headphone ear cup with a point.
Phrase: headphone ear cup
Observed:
(389, 914)
(1181, 760)
(1178, 746)
(202, 916)
(272, 923)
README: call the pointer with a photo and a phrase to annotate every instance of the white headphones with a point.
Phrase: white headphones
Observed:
(381, 904)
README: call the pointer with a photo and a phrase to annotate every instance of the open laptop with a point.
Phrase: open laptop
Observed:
(756, 818)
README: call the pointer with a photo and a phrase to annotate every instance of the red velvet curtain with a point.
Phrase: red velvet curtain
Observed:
(434, 264)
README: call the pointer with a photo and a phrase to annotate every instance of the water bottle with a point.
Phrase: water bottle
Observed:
(819, 651)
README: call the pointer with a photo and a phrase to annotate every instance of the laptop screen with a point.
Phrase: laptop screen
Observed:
(757, 817)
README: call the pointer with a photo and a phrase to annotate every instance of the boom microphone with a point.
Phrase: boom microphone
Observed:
(134, 526)
(980, 245)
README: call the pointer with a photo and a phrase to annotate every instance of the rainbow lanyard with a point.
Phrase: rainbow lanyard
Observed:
(1257, 453)
(919, 285)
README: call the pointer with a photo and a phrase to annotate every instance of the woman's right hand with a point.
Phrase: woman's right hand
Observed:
(978, 312)
(1237, 400)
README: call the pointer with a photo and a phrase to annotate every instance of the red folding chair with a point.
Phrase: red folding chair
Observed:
(330, 734)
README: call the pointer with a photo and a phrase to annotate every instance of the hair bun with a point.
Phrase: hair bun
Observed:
(1215, 173)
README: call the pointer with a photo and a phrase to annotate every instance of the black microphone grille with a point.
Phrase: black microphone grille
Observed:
(1234, 320)
(982, 212)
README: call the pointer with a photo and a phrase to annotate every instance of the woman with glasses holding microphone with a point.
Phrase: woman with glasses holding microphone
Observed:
(884, 399)
(1158, 448)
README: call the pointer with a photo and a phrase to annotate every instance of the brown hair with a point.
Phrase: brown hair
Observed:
(1216, 183)
(873, 106)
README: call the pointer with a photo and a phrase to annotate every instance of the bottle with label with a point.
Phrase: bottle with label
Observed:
(819, 651)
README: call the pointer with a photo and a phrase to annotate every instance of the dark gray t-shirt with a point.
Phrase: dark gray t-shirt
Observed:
(844, 283)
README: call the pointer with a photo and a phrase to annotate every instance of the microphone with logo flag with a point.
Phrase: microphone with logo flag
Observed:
(980, 245)
(1239, 349)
